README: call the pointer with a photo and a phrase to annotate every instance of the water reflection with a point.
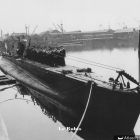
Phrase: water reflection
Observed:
(24, 118)
(52, 110)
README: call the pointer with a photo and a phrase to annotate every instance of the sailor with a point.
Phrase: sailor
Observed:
(39, 55)
(63, 55)
(49, 58)
(128, 84)
(20, 49)
(121, 86)
(55, 57)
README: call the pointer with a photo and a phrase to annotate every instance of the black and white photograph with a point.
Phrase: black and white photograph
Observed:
(69, 70)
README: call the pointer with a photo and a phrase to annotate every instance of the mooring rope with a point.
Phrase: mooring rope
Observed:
(8, 87)
(84, 113)
(6, 82)
(15, 99)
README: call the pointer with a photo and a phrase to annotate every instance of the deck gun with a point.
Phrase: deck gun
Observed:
(129, 77)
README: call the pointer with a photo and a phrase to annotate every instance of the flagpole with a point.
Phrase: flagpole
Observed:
(139, 57)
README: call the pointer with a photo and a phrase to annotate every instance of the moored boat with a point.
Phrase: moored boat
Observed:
(105, 108)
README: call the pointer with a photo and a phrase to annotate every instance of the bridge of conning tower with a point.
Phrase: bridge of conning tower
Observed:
(54, 57)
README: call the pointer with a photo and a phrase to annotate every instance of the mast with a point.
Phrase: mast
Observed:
(139, 57)
(1, 35)
(26, 29)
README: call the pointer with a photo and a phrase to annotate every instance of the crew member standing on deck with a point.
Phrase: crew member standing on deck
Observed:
(20, 49)
(62, 55)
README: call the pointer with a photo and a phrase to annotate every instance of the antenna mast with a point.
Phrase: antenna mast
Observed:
(139, 56)
(27, 29)
(1, 35)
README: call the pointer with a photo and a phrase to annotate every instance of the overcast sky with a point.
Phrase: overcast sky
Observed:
(82, 15)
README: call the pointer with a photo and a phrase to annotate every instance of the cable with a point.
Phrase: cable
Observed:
(95, 62)
(14, 99)
(7, 87)
(6, 82)
(83, 116)
(91, 63)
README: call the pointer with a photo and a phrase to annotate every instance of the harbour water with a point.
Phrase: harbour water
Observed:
(23, 119)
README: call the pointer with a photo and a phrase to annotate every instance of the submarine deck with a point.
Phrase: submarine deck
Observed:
(74, 74)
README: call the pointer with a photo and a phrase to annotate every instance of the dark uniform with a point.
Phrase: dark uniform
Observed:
(54, 57)
(20, 49)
